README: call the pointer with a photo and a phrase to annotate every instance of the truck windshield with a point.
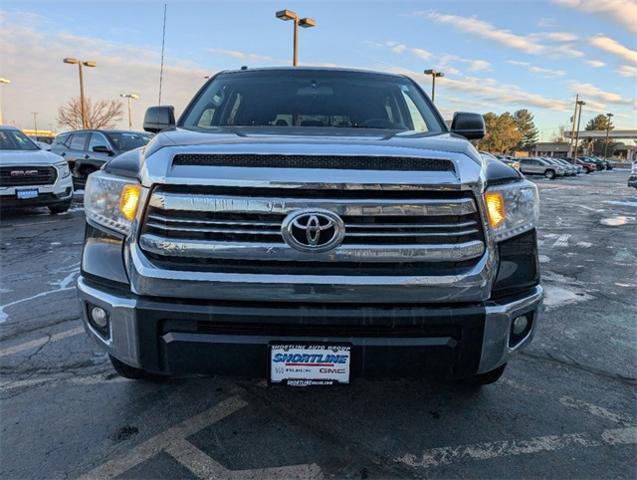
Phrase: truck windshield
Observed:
(16, 140)
(312, 98)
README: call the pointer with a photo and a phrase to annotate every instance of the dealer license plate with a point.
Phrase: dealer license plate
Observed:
(26, 194)
(303, 365)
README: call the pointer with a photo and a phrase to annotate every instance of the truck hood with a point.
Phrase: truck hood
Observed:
(316, 140)
(28, 157)
(156, 159)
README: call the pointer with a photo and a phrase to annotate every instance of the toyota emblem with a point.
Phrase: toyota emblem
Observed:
(313, 230)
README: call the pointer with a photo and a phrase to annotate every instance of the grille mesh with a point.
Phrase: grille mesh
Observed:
(315, 161)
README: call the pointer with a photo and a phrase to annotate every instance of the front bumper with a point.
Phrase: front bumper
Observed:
(187, 336)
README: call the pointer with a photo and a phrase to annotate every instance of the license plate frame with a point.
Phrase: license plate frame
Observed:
(309, 364)
(27, 193)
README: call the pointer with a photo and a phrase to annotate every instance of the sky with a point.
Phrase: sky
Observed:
(497, 55)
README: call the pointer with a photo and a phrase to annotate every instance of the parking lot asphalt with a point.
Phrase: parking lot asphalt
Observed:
(565, 408)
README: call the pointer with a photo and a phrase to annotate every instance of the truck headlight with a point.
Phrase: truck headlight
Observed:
(111, 201)
(63, 168)
(512, 209)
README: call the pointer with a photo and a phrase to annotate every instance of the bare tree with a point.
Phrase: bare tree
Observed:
(101, 114)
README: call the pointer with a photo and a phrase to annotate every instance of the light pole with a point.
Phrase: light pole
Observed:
(434, 74)
(3, 81)
(303, 22)
(579, 103)
(35, 122)
(571, 152)
(129, 97)
(80, 63)
(609, 115)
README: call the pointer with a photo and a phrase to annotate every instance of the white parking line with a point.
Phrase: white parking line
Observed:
(595, 410)
(203, 466)
(562, 241)
(435, 457)
(41, 341)
(159, 442)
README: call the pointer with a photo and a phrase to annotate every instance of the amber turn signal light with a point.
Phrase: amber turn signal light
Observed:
(129, 200)
(495, 208)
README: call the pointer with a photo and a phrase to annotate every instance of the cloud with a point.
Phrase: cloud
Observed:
(623, 12)
(588, 90)
(547, 22)
(40, 82)
(546, 72)
(240, 55)
(627, 71)
(421, 53)
(446, 61)
(595, 63)
(491, 92)
(533, 44)
(614, 47)
(488, 31)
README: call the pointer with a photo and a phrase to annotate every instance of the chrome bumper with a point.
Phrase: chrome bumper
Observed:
(124, 341)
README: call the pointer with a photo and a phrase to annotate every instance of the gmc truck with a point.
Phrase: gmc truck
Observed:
(309, 226)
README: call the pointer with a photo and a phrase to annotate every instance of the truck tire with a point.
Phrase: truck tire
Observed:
(550, 174)
(126, 371)
(60, 207)
(485, 378)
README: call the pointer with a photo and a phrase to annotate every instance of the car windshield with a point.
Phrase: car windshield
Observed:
(125, 141)
(312, 98)
(16, 140)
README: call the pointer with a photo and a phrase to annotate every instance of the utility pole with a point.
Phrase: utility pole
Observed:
(573, 153)
(3, 81)
(286, 15)
(433, 74)
(609, 115)
(86, 63)
(35, 122)
(580, 103)
(129, 97)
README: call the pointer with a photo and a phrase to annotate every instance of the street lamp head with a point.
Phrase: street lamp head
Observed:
(440, 74)
(5, 81)
(71, 60)
(286, 15)
(610, 115)
(133, 96)
(89, 63)
(307, 22)
(581, 102)
(429, 71)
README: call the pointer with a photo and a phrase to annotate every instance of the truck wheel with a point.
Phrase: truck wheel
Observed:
(486, 378)
(133, 373)
(60, 207)
(550, 174)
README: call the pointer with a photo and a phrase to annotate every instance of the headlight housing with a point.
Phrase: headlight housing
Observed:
(63, 168)
(512, 209)
(111, 201)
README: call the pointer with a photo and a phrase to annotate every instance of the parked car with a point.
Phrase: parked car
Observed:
(587, 166)
(30, 176)
(87, 150)
(507, 159)
(539, 166)
(606, 163)
(335, 227)
(599, 165)
(567, 162)
(569, 170)
(632, 179)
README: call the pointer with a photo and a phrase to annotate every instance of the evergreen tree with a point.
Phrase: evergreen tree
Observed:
(526, 126)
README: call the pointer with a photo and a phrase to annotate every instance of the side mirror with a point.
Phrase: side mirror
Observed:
(159, 118)
(469, 125)
(102, 149)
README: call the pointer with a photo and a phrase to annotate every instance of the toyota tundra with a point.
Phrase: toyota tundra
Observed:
(309, 226)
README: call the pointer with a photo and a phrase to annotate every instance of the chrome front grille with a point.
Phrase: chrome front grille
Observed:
(20, 176)
(240, 232)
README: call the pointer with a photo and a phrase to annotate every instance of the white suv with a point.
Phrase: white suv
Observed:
(30, 176)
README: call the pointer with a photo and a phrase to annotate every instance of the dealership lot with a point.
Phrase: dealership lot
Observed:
(565, 407)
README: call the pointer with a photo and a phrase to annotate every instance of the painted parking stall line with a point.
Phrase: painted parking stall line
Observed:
(38, 342)
(435, 457)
